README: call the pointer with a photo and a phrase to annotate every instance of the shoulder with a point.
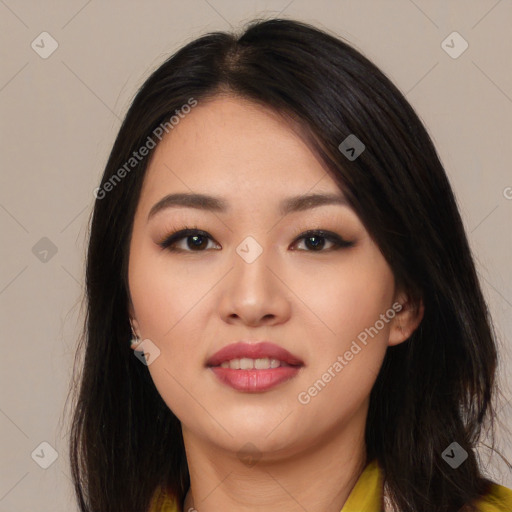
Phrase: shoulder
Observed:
(498, 499)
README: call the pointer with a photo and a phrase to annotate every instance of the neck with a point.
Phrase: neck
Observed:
(317, 478)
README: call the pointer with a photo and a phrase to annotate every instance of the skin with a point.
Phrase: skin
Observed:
(312, 302)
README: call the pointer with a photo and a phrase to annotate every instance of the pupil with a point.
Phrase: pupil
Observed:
(319, 241)
(198, 241)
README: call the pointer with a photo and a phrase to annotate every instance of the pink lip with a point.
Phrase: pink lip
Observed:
(254, 381)
(253, 351)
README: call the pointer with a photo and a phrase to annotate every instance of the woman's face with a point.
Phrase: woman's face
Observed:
(249, 276)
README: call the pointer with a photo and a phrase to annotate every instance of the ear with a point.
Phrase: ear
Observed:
(134, 324)
(409, 314)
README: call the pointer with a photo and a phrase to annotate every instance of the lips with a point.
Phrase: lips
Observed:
(254, 367)
(260, 350)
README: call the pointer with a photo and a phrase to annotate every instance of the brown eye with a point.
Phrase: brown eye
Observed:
(195, 241)
(315, 241)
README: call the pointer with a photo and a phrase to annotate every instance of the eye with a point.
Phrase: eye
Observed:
(316, 240)
(195, 240)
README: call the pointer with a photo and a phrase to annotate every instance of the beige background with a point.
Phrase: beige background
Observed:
(59, 119)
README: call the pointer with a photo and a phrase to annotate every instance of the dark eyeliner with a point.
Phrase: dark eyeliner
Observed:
(167, 242)
(337, 240)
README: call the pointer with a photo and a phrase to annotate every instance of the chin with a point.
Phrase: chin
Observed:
(264, 435)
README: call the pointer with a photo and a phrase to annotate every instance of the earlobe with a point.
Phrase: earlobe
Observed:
(406, 321)
(136, 339)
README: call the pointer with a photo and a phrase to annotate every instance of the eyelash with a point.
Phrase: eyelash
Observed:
(186, 231)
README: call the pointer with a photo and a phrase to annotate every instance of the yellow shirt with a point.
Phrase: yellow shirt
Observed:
(367, 495)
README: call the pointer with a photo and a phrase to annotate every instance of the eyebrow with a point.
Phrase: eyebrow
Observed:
(217, 204)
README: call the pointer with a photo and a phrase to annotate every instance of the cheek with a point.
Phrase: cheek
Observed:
(348, 350)
(347, 298)
(164, 295)
(170, 313)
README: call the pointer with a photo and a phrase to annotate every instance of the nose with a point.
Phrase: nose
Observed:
(255, 293)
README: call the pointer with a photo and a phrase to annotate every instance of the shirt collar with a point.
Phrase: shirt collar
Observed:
(367, 494)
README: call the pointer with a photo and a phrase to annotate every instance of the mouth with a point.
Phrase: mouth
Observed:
(254, 368)
(246, 363)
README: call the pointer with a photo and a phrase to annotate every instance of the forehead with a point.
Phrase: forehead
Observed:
(230, 145)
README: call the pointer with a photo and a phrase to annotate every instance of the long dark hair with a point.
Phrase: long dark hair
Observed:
(432, 390)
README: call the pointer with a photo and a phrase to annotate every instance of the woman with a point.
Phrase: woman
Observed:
(275, 230)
